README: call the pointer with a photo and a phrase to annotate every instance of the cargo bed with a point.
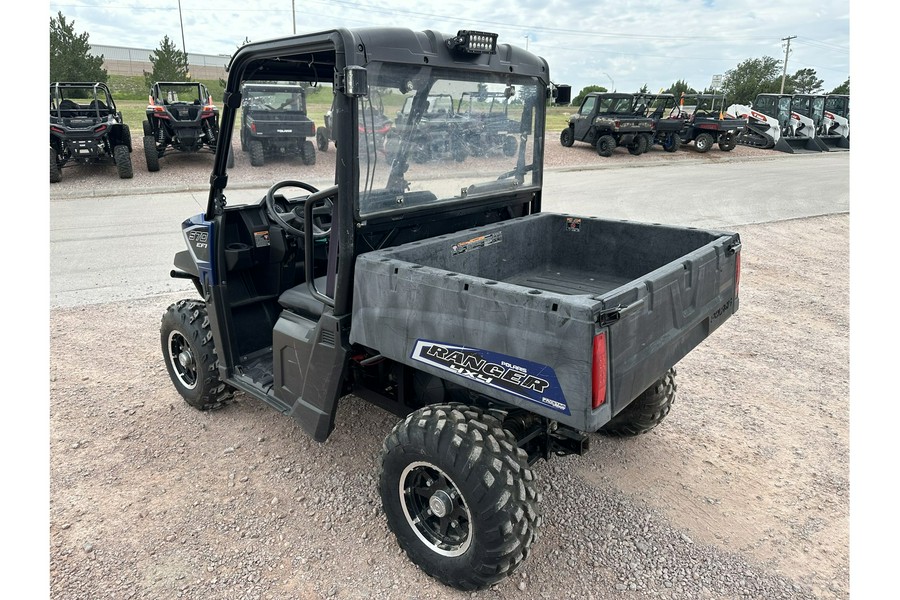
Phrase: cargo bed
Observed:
(530, 294)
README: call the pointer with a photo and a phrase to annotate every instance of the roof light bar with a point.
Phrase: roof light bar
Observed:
(473, 42)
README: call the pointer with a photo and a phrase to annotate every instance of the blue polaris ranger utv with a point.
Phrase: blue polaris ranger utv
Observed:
(438, 290)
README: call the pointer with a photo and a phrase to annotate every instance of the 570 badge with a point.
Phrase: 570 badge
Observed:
(525, 379)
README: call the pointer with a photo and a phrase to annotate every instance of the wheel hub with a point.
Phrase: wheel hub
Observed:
(440, 504)
(186, 359)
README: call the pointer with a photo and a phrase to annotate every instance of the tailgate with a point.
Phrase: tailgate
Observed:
(653, 322)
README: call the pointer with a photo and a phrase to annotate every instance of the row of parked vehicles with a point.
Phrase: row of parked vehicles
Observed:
(85, 125)
(789, 123)
(181, 117)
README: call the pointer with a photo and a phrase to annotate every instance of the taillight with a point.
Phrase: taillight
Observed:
(252, 127)
(100, 128)
(599, 372)
(57, 129)
(737, 273)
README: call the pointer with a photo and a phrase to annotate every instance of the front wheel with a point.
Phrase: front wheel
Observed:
(647, 410)
(605, 145)
(459, 495)
(703, 142)
(672, 142)
(190, 355)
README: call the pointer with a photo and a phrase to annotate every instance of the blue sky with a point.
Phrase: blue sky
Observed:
(624, 43)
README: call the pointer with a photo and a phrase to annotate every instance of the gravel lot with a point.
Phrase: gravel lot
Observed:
(743, 492)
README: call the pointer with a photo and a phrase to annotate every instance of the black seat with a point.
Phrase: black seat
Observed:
(298, 299)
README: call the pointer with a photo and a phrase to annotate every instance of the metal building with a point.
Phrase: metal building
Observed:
(119, 60)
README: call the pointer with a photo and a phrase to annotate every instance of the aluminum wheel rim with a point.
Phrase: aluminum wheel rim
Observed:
(423, 486)
(181, 357)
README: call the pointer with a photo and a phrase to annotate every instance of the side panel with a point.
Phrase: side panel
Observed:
(528, 350)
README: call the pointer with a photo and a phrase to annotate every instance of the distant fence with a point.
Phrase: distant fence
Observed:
(118, 60)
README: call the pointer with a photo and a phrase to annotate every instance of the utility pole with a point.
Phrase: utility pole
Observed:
(183, 46)
(787, 51)
(526, 42)
(294, 16)
(180, 20)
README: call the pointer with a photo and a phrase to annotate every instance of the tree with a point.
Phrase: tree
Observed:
(678, 87)
(169, 64)
(70, 58)
(644, 89)
(844, 88)
(751, 77)
(804, 81)
(576, 101)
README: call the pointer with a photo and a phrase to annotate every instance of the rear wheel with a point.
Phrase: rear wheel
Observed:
(638, 146)
(122, 156)
(703, 142)
(605, 145)
(322, 139)
(510, 145)
(55, 171)
(459, 495)
(727, 142)
(126, 136)
(308, 152)
(151, 154)
(190, 355)
(567, 137)
(257, 153)
(647, 410)
(459, 152)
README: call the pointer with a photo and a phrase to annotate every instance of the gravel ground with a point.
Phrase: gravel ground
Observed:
(742, 493)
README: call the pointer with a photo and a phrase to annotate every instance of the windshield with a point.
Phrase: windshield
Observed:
(431, 153)
(272, 98)
(188, 93)
(615, 105)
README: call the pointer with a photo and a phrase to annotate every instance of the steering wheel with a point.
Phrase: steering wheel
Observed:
(319, 227)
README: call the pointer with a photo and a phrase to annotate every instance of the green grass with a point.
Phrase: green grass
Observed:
(558, 117)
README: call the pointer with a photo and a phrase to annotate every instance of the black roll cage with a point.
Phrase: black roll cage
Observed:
(335, 56)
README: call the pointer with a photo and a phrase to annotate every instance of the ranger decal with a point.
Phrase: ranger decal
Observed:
(525, 379)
